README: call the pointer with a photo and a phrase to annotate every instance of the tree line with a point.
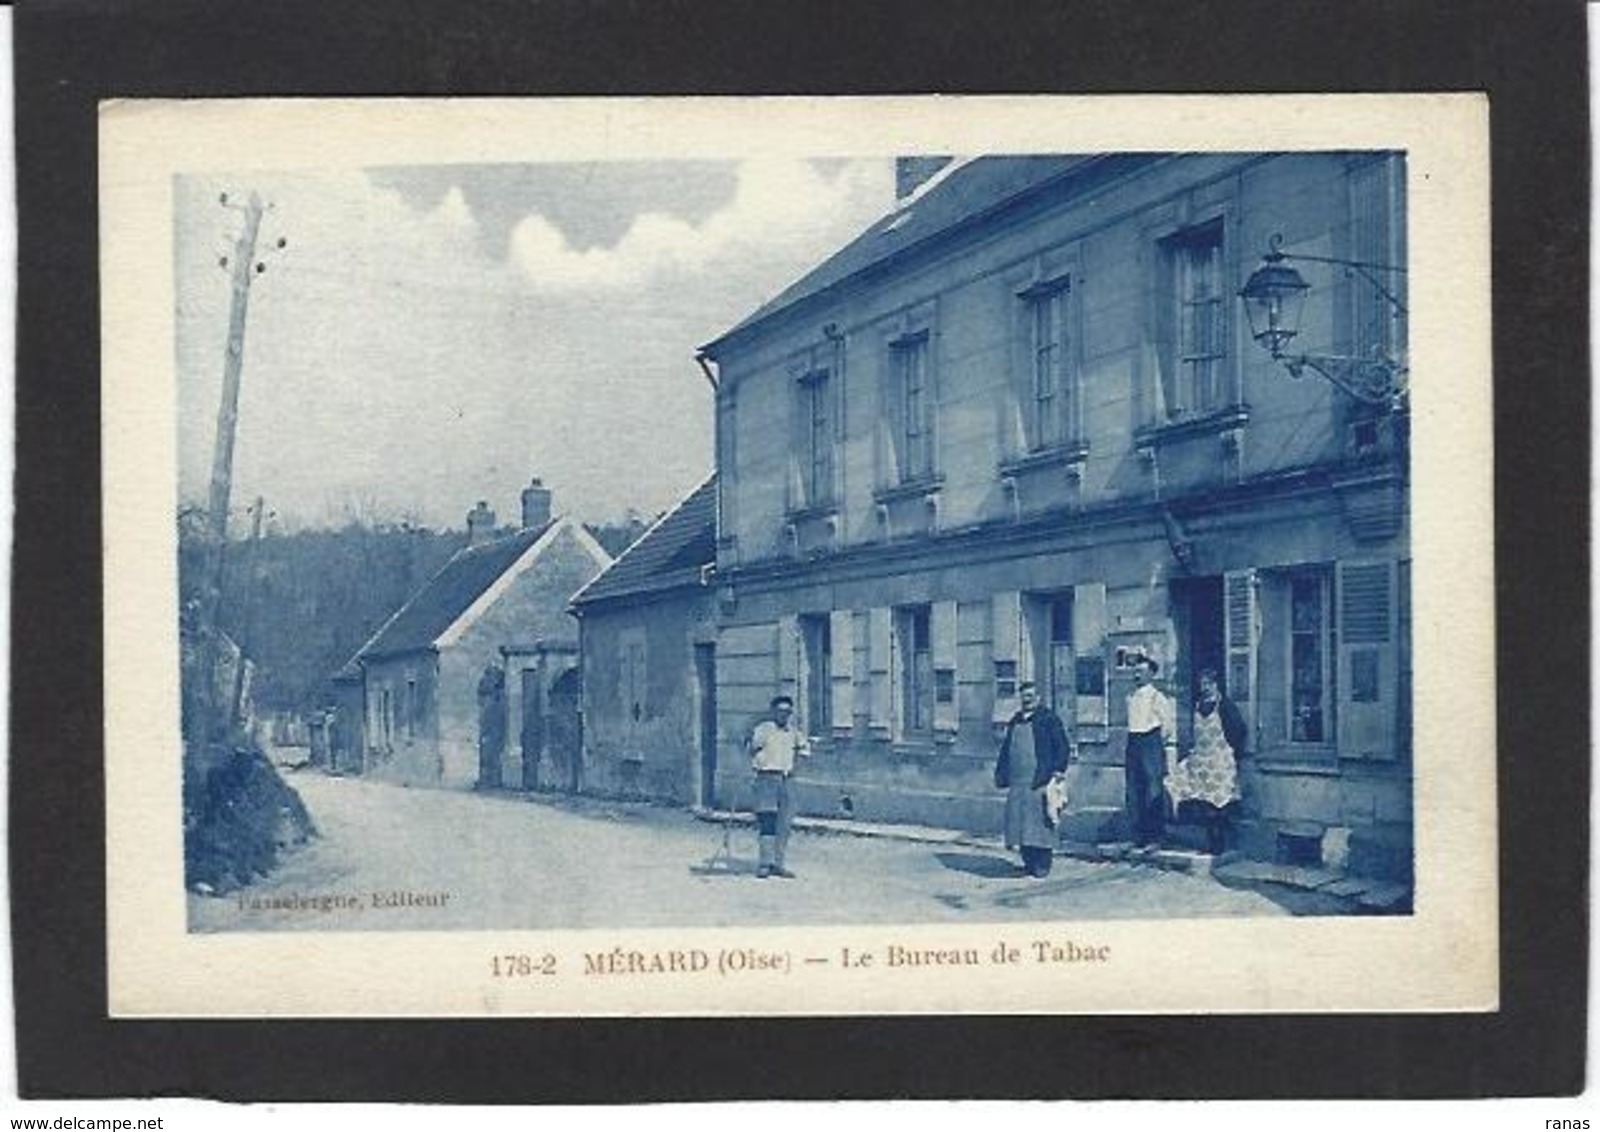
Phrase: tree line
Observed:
(301, 604)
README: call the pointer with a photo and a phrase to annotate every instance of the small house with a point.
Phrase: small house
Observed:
(647, 627)
(435, 677)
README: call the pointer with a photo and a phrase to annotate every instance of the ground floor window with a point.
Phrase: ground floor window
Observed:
(817, 642)
(914, 641)
(1310, 651)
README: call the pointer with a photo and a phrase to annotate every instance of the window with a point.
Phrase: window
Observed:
(1192, 314)
(1051, 412)
(1376, 227)
(1310, 650)
(411, 707)
(1005, 679)
(817, 641)
(916, 671)
(1062, 688)
(816, 440)
(914, 427)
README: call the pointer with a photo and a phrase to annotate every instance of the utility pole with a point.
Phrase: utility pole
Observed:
(237, 700)
(242, 267)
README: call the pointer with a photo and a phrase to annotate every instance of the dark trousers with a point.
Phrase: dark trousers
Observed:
(1146, 766)
(1037, 860)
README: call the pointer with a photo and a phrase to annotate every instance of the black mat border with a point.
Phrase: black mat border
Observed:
(1530, 57)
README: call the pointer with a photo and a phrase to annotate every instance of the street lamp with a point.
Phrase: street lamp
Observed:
(1274, 300)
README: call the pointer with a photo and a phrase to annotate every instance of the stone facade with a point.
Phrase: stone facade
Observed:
(1038, 441)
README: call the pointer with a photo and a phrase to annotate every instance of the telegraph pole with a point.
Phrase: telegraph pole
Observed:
(242, 268)
(237, 700)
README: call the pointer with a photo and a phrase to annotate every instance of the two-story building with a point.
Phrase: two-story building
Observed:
(1019, 430)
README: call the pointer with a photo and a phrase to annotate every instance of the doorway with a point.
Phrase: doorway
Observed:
(705, 670)
(1197, 613)
(563, 731)
(531, 735)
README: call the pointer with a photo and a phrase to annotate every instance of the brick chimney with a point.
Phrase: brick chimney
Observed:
(535, 504)
(911, 172)
(480, 524)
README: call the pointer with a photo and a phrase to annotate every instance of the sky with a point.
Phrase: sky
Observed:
(435, 335)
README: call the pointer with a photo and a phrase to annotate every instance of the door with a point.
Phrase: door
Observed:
(563, 731)
(705, 670)
(491, 726)
(531, 734)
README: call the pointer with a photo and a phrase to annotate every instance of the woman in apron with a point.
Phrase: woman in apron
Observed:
(1209, 777)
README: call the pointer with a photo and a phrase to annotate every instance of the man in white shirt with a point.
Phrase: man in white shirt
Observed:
(1152, 748)
(774, 745)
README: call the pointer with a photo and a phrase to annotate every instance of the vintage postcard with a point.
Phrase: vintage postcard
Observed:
(749, 556)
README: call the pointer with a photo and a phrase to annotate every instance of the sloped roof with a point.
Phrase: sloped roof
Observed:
(449, 593)
(961, 194)
(668, 555)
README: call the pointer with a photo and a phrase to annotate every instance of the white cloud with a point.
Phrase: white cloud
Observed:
(781, 208)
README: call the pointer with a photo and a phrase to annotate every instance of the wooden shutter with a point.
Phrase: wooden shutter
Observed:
(1089, 642)
(1240, 632)
(841, 679)
(1369, 679)
(1006, 647)
(880, 674)
(946, 708)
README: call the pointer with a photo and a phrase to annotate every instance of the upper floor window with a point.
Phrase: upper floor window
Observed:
(1377, 229)
(914, 423)
(1051, 411)
(1192, 300)
(816, 440)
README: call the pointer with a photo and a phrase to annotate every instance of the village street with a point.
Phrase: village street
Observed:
(392, 858)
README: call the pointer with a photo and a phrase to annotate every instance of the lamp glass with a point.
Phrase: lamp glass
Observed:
(1274, 300)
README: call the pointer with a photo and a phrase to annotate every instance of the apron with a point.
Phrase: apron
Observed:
(1210, 774)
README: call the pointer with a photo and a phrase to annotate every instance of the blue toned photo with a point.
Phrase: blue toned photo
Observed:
(839, 540)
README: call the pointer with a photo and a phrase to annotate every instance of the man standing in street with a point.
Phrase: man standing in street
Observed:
(1152, 749)
(774, 745)
(1035, 749)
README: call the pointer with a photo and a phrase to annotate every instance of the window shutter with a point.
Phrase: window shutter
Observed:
(841, 680)
(1006, 647)
(946, 709)
(1368, 678)
(1089, 642)
(1268, 710)
(880, 642)
(1241, 631)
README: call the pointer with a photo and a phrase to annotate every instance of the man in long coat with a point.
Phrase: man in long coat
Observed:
(1034, 750)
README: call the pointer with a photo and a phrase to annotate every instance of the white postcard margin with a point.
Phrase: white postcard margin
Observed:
(1444, 957)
